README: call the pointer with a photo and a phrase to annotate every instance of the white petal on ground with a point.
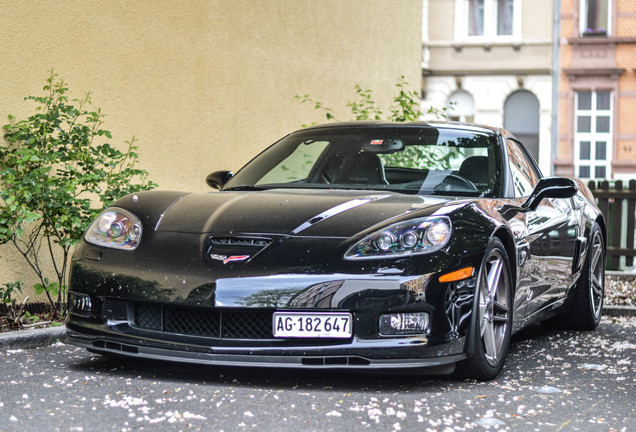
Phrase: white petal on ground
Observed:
(548, 390)
(489, 421)
(592, 366)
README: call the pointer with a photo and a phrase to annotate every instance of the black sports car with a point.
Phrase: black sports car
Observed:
(354, 245)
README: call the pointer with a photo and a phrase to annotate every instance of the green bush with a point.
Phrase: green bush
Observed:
(406, 107)
(57, 172)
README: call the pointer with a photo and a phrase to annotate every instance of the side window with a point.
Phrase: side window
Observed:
(524, 174)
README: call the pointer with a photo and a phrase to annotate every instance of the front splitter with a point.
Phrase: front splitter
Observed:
(101, 345)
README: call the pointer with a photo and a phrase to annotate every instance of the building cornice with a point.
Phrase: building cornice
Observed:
(464, 72)
(612, 73)
(488, 44)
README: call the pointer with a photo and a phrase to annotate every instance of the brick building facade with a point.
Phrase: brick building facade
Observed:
(597, 91)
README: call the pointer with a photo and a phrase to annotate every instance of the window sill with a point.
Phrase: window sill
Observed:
(487, 44)
(601, 39)
(599, 33)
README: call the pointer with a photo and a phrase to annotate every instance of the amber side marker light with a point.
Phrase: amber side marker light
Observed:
(457, 275)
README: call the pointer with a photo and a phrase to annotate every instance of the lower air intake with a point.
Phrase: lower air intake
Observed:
(212, 323)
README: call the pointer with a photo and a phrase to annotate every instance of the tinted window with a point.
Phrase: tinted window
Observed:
(417, 160)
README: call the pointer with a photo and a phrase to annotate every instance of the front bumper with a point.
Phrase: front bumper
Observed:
(136, 311)
(232, 337)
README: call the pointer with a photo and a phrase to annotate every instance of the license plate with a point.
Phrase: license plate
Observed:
(312, 325)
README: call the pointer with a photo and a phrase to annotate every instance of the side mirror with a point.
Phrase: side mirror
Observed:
(217, 179)
(550, 187)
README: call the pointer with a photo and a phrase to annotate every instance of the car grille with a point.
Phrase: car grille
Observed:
(212, 323)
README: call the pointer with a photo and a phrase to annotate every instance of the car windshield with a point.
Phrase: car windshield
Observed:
(422, 160)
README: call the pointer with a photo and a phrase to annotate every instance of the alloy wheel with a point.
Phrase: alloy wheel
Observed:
(494, 310)
(597, 275)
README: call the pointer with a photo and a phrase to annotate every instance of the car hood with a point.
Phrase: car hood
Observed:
(296, 212)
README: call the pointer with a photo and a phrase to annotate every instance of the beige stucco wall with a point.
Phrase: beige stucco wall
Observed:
(536, 38)
(204, 85)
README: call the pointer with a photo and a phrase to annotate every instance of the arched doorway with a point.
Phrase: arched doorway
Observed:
(521, 117)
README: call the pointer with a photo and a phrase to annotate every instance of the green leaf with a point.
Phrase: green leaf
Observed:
(38, 288)
(53, 288)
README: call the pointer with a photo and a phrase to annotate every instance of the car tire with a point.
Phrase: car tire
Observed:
(586, 308)
(489, 336)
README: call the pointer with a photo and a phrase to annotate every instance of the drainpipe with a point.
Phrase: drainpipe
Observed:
(556, 75)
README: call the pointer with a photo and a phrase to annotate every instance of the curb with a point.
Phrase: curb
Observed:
(619, 311)
(621, 274)
(34, 338)
(47, 336)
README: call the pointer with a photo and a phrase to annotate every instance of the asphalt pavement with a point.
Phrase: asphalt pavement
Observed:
(554, 380)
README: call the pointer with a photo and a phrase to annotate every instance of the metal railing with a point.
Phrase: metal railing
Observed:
(617, 201)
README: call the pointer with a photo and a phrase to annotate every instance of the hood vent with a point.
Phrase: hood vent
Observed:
(258, 242)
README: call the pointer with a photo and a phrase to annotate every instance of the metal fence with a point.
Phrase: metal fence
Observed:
(617, 201)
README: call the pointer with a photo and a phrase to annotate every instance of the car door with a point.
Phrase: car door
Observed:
(548, 238)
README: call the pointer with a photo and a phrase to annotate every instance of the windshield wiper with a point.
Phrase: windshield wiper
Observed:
(245, 188)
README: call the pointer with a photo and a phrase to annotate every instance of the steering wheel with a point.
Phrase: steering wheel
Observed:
(453, 182)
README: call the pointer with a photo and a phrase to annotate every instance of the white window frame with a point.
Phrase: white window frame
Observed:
(583, 17)
(593, 136)
(490, 23)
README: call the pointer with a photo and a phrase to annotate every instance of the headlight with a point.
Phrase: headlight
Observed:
(413, 237)
(115, 228)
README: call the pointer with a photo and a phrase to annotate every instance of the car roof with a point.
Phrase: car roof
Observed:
(422, 124)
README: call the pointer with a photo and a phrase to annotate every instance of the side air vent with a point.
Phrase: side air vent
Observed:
(334, 361)
(115, 346)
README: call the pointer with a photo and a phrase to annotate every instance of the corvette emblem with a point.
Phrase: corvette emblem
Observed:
(226, 259)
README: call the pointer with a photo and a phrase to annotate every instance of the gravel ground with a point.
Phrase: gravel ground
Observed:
(554, 381)
(620, 290)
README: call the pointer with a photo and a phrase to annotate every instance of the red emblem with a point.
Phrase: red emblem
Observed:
(235, 258)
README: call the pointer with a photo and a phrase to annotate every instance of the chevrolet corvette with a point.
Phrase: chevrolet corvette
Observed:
(416, 247)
